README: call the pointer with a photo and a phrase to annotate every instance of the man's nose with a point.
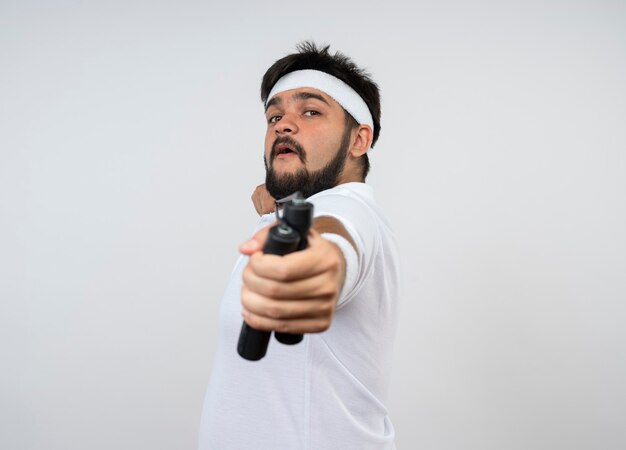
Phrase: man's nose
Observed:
(286, 125)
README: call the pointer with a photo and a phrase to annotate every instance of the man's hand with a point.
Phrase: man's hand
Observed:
(296, 293)
(263, 202)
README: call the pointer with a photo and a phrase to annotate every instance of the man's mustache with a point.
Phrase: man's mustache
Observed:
(292, 144)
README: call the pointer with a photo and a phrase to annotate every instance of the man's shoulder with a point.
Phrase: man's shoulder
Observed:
(351, 201)
(347, 198)
(354, 206)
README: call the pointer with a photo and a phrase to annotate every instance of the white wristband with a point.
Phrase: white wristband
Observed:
(352, 263)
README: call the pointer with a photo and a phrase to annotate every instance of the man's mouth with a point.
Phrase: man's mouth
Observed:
(284, 150)
(287, 148)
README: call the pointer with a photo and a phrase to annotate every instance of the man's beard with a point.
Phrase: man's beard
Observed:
(309, 183)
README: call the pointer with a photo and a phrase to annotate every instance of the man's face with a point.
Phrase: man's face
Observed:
(306, 143)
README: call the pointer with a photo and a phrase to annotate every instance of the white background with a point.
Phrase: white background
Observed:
(131, 138)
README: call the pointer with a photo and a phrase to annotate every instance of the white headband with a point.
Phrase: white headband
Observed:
(337, 89)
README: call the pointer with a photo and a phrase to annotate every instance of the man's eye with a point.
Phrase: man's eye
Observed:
(273, 119)
(311, 113)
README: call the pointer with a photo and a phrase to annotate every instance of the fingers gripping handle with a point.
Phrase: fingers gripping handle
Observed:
(252, 345)
(286, 237)
(299, 215)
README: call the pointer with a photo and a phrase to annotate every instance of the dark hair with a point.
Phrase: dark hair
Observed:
(309, 56)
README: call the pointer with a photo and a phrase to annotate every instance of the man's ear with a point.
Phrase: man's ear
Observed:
(361, 141)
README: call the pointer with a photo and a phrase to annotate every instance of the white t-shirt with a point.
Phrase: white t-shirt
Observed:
(328, 391)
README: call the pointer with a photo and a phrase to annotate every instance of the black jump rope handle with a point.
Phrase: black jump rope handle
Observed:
(287, 237)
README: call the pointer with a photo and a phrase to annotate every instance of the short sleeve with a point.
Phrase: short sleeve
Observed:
(358, 220)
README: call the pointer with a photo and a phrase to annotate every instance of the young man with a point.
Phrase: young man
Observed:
(328, 391)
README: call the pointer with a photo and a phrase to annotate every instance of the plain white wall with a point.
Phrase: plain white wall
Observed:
(131, 138)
